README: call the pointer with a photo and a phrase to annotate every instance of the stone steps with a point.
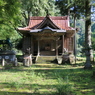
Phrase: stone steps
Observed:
(45, 59)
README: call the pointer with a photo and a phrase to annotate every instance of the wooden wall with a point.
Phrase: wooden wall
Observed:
(26, 43)
(68, 44)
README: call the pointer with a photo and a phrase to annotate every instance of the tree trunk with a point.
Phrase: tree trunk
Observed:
(88, 35)
(75, 46)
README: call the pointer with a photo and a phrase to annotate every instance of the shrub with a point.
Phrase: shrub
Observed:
(8, 66)
(64, 87)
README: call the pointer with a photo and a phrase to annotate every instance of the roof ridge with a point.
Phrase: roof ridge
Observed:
(53, 17)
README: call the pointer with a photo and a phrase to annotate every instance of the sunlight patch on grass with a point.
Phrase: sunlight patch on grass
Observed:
(87, 90)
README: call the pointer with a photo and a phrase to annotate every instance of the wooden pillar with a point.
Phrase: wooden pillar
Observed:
(38, 52)
(72, 44)
(62, 44)
(38, 47)
(66, 43)
(3, 62)
(23, 49)
(32, 45)
(56, 48)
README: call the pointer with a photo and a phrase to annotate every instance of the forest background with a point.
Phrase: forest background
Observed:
(14, 14)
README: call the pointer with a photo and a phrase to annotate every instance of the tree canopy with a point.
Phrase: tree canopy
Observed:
(9, 17)
(37, 8)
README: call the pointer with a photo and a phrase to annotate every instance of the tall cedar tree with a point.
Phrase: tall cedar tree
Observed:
(88, 34)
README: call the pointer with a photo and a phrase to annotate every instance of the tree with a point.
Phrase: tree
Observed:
(36, 8)
(9, 17)
(93, 35)
(88, 34)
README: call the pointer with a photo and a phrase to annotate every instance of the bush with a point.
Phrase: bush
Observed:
(64, 87)
(8, 66)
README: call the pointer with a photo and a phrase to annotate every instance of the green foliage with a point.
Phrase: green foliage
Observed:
(9, 11)
(8, 31)
(16, 84)
(93, 28)
(93, 35)
(64, 87)
(80, 34)
(8, 66)
(62, 5)
(18, 43)
(37, 8)
(9, 17)
(74, 7)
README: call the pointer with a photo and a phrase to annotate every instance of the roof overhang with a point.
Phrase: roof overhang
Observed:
(48, 30)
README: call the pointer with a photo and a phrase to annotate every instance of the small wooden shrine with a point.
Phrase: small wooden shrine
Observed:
(48, 36)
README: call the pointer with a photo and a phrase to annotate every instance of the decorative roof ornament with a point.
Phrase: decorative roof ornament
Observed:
(47, 13)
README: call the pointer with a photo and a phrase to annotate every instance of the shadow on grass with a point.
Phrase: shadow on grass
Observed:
(15, 93)
(81, 78)
(34, 89)
(82, 88)
(52, 73)
(21, 93)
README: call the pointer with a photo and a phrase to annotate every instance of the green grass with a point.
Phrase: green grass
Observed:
(47, 79)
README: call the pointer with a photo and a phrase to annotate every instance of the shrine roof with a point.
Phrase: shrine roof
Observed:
(55, 22)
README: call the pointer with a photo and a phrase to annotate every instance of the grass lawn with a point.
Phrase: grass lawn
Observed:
(47, 79)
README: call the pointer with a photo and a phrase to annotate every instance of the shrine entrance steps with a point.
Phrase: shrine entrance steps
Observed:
(47, 53)
(46, 60)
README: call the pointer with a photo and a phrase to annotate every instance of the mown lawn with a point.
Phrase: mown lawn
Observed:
(47, 79)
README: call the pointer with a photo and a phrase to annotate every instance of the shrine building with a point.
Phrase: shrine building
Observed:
(48, 36)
